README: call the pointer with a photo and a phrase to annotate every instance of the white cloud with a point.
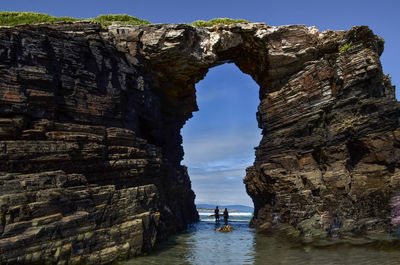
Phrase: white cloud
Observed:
(212, 149)
(217, 165)
(222, 194)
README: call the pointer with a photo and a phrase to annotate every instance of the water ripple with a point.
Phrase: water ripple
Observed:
(201, 244)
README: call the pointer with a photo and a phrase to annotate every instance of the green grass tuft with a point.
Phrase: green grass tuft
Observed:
(120, 19)
(17, 18)
(216, 21)
(345, 47)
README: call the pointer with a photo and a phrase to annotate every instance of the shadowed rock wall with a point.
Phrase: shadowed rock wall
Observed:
(90, 132)
(82, 180)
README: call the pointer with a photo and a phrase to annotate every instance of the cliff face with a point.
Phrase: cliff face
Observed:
(90, 132)
(82, 178)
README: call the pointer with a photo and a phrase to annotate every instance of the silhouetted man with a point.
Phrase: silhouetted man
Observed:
(226, 216)
(216, 212)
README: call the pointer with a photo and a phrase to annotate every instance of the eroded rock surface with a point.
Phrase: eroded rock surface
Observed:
(90, 144)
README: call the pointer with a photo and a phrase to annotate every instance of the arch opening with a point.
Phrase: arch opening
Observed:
(219, 140)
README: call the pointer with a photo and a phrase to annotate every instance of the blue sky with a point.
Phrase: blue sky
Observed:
(219, 140)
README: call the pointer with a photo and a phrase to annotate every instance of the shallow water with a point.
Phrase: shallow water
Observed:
(201, 244)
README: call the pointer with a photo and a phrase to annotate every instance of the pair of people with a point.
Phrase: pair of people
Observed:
(225, 214)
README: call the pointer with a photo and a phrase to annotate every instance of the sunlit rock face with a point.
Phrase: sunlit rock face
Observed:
(90, 125)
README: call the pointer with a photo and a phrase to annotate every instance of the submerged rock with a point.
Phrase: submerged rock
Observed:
(225, 228)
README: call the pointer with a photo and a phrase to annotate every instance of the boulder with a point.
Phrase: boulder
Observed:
(225, 229)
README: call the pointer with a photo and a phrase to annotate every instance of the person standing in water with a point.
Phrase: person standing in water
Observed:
(216, 213)
(226, 216)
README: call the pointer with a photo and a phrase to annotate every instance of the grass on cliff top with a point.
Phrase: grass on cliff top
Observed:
(216, 21)
(17, 18)
(120, 19)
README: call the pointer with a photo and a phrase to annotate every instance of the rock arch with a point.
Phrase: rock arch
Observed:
(325, 146)
(90, 143)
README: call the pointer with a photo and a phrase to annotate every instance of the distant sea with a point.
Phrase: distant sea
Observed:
(237, 213)
(233, 216)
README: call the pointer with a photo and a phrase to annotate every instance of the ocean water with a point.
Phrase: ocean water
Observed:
(201, 244)
(233, 216)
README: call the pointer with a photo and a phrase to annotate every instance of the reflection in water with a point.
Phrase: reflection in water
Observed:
(269, 250)
(201, 244)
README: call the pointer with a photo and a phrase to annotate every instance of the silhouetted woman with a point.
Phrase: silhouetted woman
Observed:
(226, 216)
(216, 211)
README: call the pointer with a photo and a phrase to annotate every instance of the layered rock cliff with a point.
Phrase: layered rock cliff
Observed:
(83, 180)
(90, 132)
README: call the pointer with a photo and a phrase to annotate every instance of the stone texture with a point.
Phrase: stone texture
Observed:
(82, 182)
(90, 144)
(225, 229)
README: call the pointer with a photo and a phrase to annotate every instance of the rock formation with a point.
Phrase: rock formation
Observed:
(90, 144)
(83, 180)
(225, 228)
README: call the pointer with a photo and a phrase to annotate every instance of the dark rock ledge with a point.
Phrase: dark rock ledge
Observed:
(90, 144)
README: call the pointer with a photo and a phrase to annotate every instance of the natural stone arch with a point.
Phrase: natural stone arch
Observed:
(318, 113)
(90, 143)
